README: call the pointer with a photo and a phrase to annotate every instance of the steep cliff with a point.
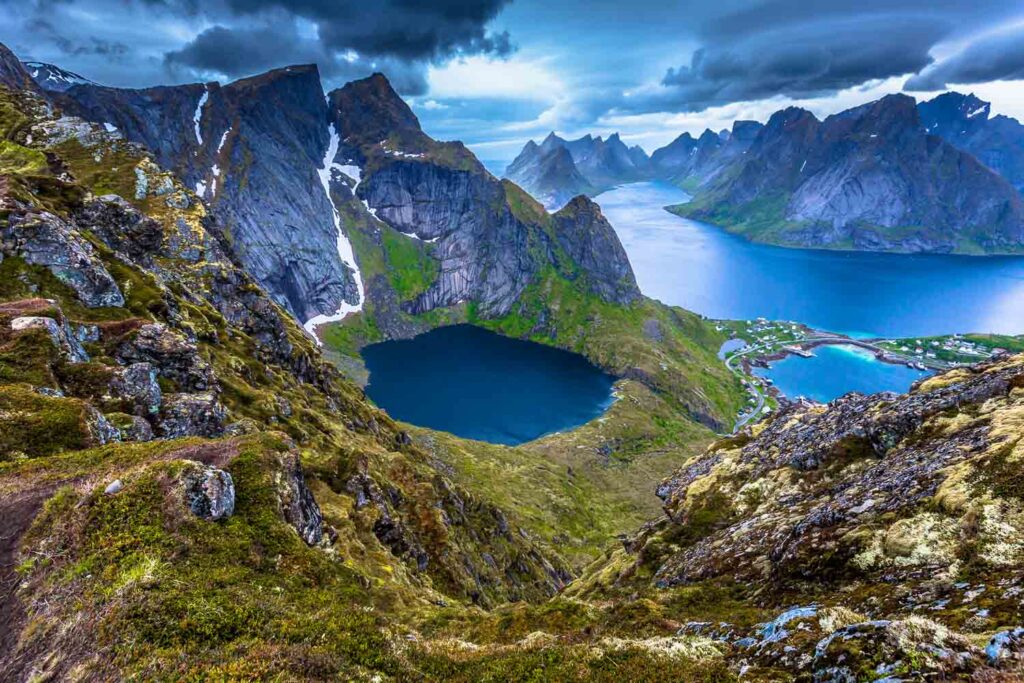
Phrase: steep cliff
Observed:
(254, 150)
(868, 178)
(489, 247)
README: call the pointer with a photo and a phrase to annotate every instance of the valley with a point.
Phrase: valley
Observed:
(292, 390)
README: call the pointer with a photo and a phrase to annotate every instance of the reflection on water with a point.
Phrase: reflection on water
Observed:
(705, 269)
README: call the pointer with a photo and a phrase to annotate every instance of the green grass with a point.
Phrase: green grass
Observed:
(35, 425)
(15, 159)
(411, 266)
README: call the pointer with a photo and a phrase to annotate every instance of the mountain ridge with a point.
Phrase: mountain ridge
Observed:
(866, 178)
(592, 166)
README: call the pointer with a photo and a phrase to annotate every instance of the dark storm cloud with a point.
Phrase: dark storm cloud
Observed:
(408, 29)
(804, 61)
(231, 38)
(352, 37)
(787, 47)
(998, 58)
(233, 53)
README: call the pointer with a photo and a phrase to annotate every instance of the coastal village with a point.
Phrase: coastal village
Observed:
(757, 343)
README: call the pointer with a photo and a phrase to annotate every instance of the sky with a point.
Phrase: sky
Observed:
(495, 73)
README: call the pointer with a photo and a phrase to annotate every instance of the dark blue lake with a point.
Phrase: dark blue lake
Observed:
(705, 269)
(836, 370)
(480, 385)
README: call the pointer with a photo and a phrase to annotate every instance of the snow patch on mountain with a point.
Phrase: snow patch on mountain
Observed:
(199, 114)
(345, 251)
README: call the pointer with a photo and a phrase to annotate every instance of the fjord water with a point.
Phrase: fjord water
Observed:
(861, 294)
(480, 385)
(836, 370)
(707, 270)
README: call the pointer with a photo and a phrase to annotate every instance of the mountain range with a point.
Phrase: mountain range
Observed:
(194, 487)
(557, 170)
(891, 175)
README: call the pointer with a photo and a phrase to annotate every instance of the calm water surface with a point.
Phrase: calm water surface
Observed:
(480, 385)
(836, 370)
(705, 269)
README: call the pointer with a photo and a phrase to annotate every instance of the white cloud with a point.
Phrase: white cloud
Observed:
(479, 77)
(432, 105)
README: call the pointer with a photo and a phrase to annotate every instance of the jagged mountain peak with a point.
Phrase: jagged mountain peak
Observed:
(790, 117)
(746, 130)
(958, 105)
(54, 78)
(371, 110)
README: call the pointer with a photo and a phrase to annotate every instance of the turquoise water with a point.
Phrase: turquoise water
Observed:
(480, 385)
(705, 269)
(836, 370)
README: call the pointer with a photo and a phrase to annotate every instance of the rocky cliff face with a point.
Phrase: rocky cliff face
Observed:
(965, 122)
(13, 74)
(489, 246)
(596, 165)
(253, 150)
(867, 178)
(878, 534)
(274, 160)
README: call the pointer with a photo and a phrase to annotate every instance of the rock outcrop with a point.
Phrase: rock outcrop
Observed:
(44, 239)
(298, 505)
(209, 492)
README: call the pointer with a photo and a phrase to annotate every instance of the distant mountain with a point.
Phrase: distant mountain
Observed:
(54, 78)
(691, 162)
(596, 165)
(867, 178)
(964, 121)
(550, 174)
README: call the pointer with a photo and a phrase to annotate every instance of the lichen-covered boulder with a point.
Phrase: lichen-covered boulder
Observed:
(132, 427)
(122, 227)
(44, 239)
(209, 492)
(191, 415)
(61, 335)
(102, 431)
(137, 384)
(171, 354)
(298, 505)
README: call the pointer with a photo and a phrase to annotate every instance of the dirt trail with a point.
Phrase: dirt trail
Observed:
(16, 515)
